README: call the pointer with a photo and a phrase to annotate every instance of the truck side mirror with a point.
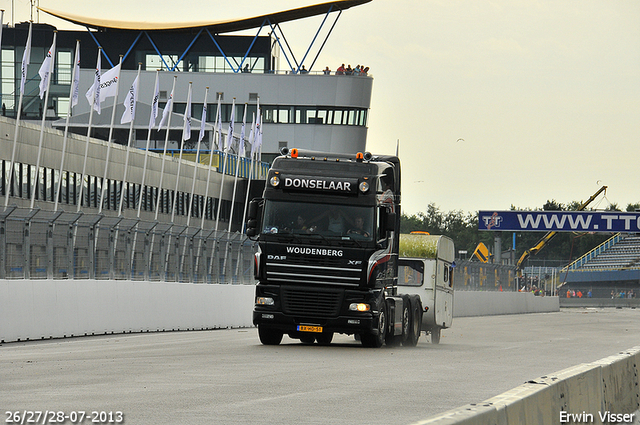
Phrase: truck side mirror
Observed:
(253, 214)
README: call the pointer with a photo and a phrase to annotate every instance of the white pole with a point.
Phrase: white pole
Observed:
(91, 109)
(187, 118)
(51, 54)
(73, 96)
(166, 142)
(109, 143)
(133, 118)
(197, 161)
(224, 156)
(152, 123)
(206, 190)
(25, 62)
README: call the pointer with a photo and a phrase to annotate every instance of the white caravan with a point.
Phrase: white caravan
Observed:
(425, 268)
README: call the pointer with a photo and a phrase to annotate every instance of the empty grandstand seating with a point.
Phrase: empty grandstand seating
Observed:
(621, 252)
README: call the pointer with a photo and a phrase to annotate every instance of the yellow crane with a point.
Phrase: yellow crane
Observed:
(546, 238)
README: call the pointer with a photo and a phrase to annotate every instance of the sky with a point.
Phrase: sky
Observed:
(493, 103)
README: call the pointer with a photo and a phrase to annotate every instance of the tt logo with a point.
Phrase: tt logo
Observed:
(492, 220)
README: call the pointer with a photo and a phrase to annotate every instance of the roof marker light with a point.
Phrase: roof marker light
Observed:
(359, 157)
(294, 153)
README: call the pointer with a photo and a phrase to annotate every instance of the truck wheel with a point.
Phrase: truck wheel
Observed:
(324, 338)
(269, 336)
(435, 335)
(416, 323)
(376, 341)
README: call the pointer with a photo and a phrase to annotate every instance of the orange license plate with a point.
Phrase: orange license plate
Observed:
(306, 328)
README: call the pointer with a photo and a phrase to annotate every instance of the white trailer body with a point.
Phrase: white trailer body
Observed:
(425, 268)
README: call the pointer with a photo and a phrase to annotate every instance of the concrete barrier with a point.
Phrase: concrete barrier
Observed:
(596, 393)
(486, 303)
(42, 309)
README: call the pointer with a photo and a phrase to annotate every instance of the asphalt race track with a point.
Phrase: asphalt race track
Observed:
(227, 377)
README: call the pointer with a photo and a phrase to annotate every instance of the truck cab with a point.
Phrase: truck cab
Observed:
(328, 250)
(425, 268)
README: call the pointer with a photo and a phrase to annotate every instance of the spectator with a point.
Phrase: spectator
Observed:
(341, 70)
(348, 70)
(246, 69)
(303, 70)
(326, 71)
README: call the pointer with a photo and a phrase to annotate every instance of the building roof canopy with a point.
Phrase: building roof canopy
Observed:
(222, 26)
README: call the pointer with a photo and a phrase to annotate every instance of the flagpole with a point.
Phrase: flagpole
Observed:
(166, 142)
(238, 162)
(92, 107)
(26, 57)
(197, 161)
(185, 129)
(152, 123)
(51, 55)
(73, 96)
(132, 111)
(225, 154)
(246, 199)
(224, 161)
(206, 190)
(109, 143)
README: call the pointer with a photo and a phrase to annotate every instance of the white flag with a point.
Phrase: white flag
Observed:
(154, 103)
(257, 141)
(76, 81)
(203, 121)
(109, 83)
(230, 132)
(241, 148)
(219, 123)
(26, 58)
(186, 129)
(130, 103)
(93, 94)
(44, 68)
(166, 111)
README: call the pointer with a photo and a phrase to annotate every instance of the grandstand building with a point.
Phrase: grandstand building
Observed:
(608, 270)
(96, 182)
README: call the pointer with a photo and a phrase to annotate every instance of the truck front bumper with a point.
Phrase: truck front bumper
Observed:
(357, 324)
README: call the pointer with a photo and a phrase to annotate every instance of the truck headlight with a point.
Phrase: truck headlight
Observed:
(274, 181)
(264, 301)
(359, 307)
(364, 187)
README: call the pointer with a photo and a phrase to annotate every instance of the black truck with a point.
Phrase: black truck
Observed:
(327, 259)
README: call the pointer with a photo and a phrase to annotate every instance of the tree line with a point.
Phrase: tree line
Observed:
(462, 227)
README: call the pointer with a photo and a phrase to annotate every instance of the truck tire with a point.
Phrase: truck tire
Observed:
(435, 335)
(324, 338)
(415, 325)
(269, 336)
(376, 341)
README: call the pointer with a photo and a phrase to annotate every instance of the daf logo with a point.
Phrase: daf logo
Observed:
(355, 262)
(276, 257)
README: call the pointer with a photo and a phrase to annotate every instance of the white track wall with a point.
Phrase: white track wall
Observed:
(42, 309)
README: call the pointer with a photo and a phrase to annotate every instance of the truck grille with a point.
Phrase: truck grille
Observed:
(311, 303)
(313, 274)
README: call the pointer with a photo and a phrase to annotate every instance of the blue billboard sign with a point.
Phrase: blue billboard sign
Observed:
(560, 221)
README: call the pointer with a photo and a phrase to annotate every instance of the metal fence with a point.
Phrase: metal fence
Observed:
(37, 244)
(476, 276)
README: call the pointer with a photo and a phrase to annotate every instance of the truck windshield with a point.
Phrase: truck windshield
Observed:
(343, 221)
(410, 272)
